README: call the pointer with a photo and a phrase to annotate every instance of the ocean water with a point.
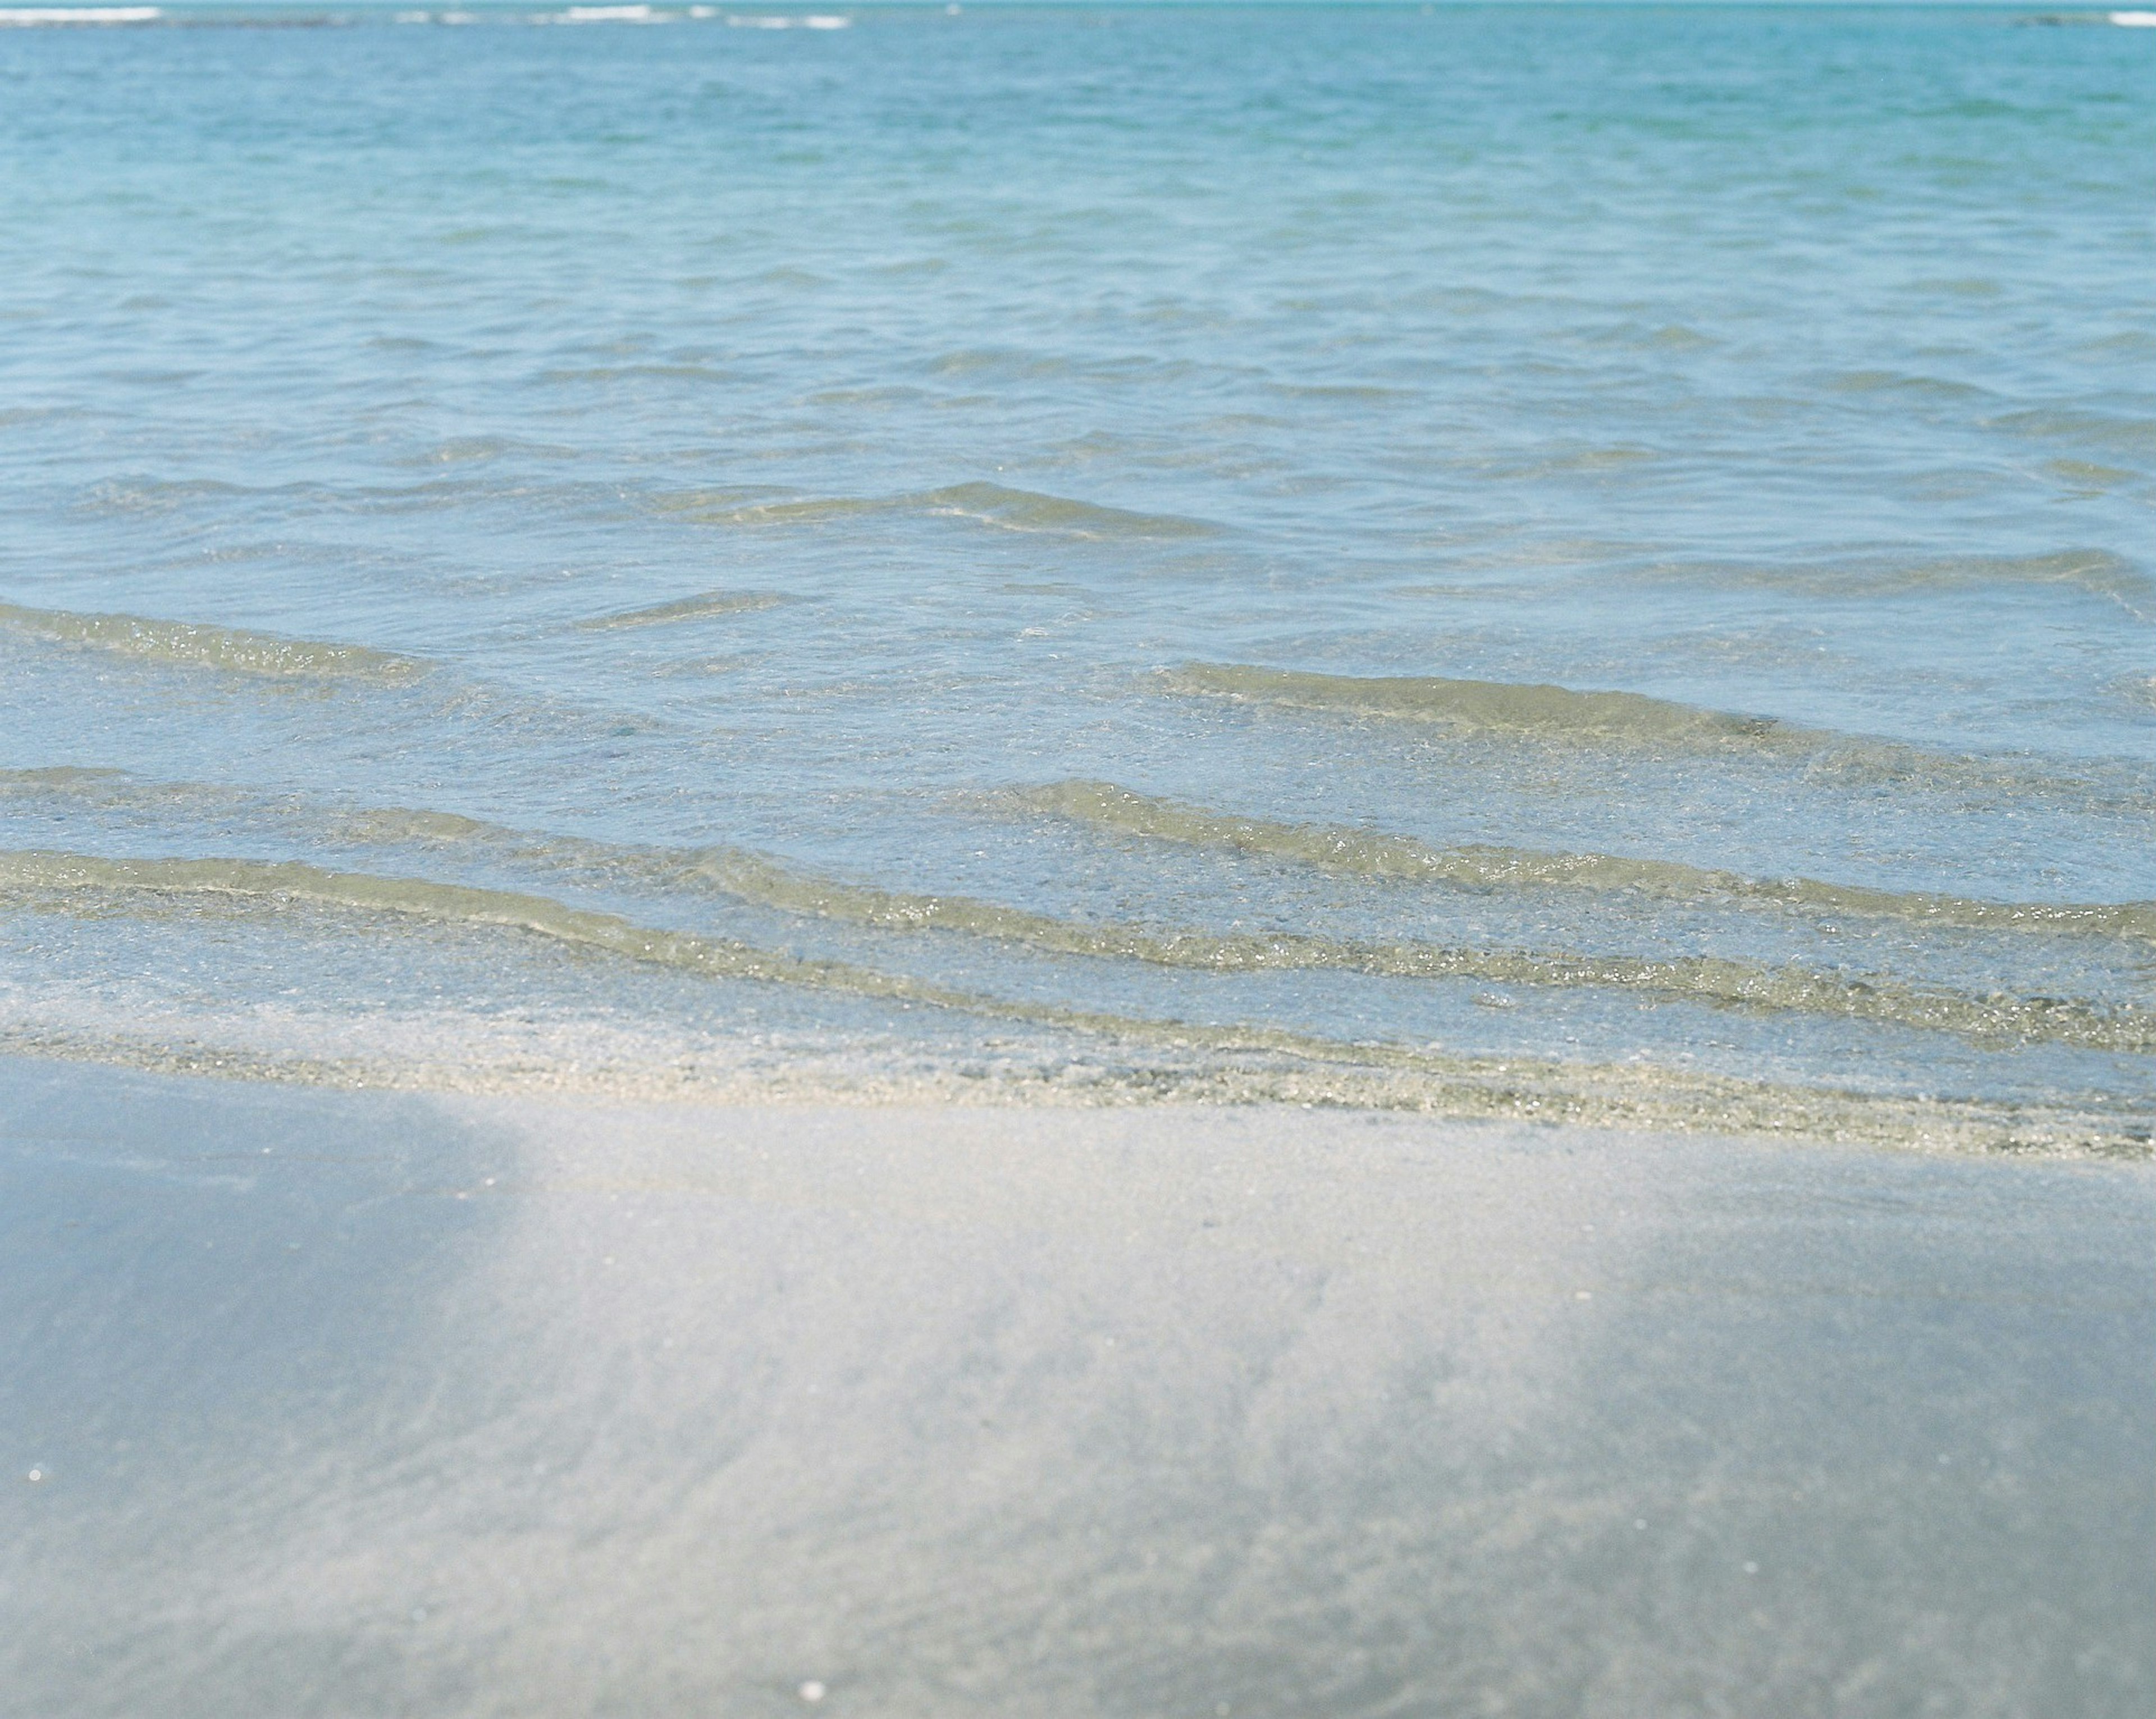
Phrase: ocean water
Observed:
(1571, 563)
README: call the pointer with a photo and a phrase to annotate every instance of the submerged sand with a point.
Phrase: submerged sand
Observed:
(363, 1402)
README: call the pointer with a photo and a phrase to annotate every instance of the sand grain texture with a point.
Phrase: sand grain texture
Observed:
(359, 1404)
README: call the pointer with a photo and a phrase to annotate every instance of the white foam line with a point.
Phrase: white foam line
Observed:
(29, 15)
(2144, 20)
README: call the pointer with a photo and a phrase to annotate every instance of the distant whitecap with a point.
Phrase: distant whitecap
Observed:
(20, 16)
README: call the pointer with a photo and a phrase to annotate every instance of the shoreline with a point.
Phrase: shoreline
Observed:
(1636, 1098)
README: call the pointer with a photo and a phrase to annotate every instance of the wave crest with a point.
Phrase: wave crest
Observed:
(705, 606)
(1500, 706)
(984, 503)
(1374, 853)
(196, 644)
(1711, 980)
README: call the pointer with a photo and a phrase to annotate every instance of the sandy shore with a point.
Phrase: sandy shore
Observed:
(372, 1404)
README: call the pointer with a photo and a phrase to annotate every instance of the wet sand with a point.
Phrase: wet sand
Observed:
(358, 1404)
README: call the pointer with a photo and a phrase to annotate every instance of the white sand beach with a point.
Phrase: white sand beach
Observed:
(347, 1403)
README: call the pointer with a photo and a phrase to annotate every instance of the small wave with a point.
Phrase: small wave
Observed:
(1998, 1019)
(811, 512)
(1499, 706)
(1363, 1072)
(31, 873)
(1106, 805)
(227, 649)
(152, 497)
(2135, 20)
(1713, 980)
(1374, 854)
(2097, 571)
(1347, 393)
(1028, 511)
(31, 17)
(397, 824)
(1883, 382)
(1560, 716)
(2102, 573)
(608, 373)
(699, 607)
(78, 881)
(1587, 462)
(2126, 435)
(989, 504)
(2085, 475)
(108, 789)
(1989, 1017)
(59, 775)
(757, 880)
(791, 21)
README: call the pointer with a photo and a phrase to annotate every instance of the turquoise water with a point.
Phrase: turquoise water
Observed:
(1592, 561)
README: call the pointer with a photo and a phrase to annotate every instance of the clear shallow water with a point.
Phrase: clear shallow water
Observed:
(1566, 562)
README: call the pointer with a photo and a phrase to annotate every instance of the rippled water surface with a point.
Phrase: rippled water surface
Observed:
(1592, 562)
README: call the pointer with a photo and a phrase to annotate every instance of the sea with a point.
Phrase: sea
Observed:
(1593, 563)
